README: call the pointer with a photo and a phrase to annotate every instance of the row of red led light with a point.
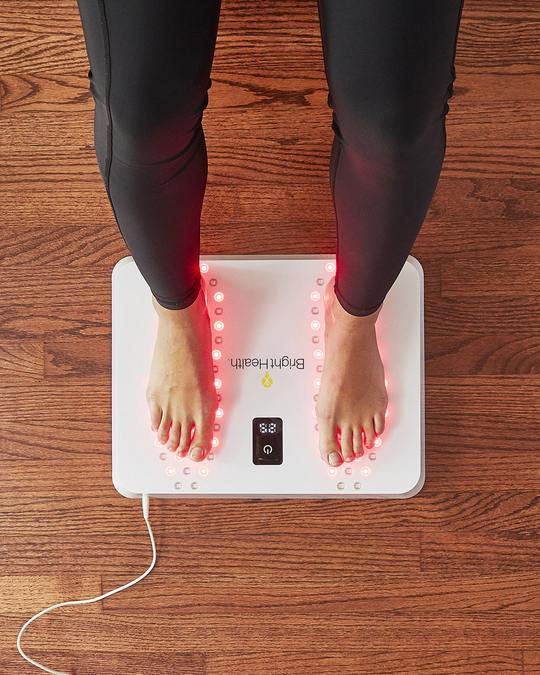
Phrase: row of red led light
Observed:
(218, 326)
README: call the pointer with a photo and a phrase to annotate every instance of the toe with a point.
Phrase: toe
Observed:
(185, 436)
(328, 443)
(174, 436)
(163, 429)
(369, 434)
(202, 439)
(378, 423)
(358, 447)
(346, 443)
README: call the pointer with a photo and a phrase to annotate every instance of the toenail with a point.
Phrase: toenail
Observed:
(197, 453)
(334, 458)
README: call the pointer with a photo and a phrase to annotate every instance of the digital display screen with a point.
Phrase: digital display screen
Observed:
(267, 440)
(268, 427)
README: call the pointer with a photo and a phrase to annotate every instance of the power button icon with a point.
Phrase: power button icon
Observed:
(268, 449)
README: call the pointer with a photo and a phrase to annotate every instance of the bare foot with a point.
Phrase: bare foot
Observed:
(352, 396)
(181, 392)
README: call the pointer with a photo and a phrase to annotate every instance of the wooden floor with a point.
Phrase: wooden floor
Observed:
(447, 582)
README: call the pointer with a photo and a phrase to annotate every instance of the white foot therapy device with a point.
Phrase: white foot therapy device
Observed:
(267, 319)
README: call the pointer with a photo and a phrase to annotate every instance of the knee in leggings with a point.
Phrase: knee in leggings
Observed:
(389, 129)
(150, 131)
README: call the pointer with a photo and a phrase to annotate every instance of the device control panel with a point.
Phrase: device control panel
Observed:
(267, 440)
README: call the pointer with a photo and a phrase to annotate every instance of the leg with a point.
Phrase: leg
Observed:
(390, 70)
(149, 76)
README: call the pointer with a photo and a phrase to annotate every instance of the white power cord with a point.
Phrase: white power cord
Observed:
(146, 512)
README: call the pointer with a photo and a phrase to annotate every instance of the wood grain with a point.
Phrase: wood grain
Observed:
(445, 583)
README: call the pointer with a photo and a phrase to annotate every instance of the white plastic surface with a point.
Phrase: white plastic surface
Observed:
(267, 313)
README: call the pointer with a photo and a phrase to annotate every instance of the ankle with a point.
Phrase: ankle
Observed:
(351, 322)
(196, 309)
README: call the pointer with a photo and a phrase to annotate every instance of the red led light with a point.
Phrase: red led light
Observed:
(219, 325)
(315, 325)
(315, 296)
(204, 267)
(219, 412)
(318, 353)
(217, 383)
(330, 267)
(216, 354)
(218, 296)
(215, 442)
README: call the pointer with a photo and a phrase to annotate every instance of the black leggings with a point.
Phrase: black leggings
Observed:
(390, 71)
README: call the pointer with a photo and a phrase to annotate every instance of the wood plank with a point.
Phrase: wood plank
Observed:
(462, 553)
(371, 662)
(127, 552)
(225, 633)
(508, 353)
(90, 662)
(345, 589)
